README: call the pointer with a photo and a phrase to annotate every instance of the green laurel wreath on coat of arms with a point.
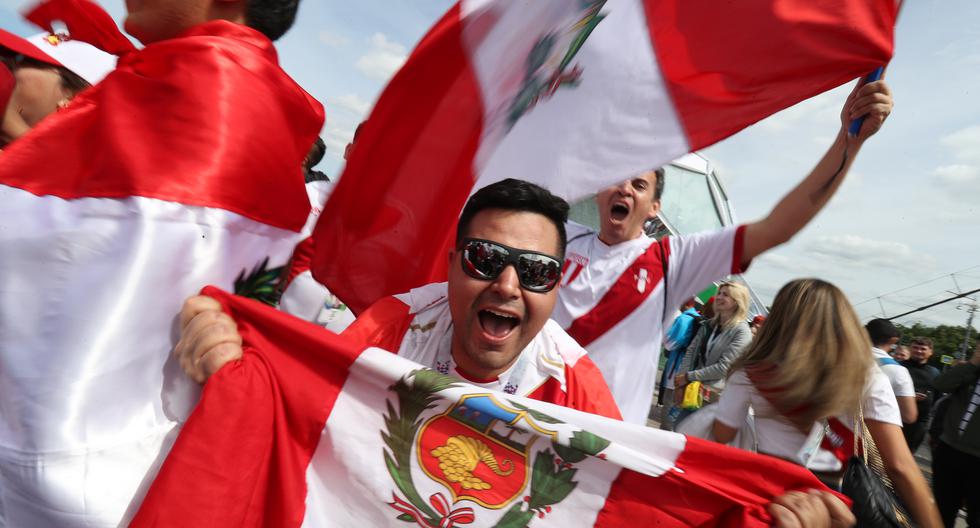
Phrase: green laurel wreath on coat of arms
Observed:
(261, 284)
(552, 473)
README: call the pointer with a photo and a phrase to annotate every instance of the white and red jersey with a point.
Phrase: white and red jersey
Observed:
(302, 295)
(553, 368)
(611, 300)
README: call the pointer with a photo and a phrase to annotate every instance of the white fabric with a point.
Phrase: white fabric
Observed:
(628, 355)
(701, 424)
(352, 449)
(82, 59)
(89, 294)
(778, 437)
(428, 341)
(616, 121)
(306, 298)
(898, 375)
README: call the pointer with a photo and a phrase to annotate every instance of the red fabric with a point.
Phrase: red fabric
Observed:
(623, 297)
(719, 486)
(383, 325)
(241, 458)
(738, 251)
(389, 223)
(585, 390)
(300, 261)
(7, 84)
(730, 64)
(86, 21)
(176, 122)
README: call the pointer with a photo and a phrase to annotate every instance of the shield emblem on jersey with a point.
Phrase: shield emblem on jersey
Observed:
(474, 450)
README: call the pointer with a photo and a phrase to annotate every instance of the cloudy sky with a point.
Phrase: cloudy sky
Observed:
(903, 231)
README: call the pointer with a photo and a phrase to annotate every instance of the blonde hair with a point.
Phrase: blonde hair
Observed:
(740, 294)
(812, 358)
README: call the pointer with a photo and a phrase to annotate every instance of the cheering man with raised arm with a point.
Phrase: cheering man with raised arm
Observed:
(612, 295)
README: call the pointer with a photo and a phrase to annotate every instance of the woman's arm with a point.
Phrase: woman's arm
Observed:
(905, 473)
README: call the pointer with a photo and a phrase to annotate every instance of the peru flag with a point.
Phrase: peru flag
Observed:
(573, 95)
(311, 430)
(113, 212)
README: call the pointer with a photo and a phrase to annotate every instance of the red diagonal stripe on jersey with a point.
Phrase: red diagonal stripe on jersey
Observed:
(623, 297)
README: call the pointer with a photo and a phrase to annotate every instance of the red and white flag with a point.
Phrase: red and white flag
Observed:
(575, 96)
(309, 429)
(149, 186)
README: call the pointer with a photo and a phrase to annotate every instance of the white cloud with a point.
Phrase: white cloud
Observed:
(967, 176)
(821, 110)
(352, 103)
(857, 251)
(964, 143)
(383, 59)
(336, 138)
(332, 40)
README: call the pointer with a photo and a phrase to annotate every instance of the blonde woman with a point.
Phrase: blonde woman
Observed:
(718, 342)
(812, 361)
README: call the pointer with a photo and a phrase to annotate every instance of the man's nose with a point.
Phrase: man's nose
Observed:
(507, 284)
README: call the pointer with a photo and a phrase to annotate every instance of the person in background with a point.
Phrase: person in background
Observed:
(884, 336)
(811, 364)
(312, 159)
(901, 353)
(718, 343)
(922, 375)
(676, 341)
(956, 458)
(49, 71)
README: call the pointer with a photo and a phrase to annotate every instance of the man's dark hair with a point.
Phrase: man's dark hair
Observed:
(315, 155)
(272, 18)
(924, 341)
(516, 195)
(881, 331)
(658, 187)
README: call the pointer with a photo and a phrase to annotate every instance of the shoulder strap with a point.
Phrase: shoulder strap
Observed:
(578, 236)
(887, 361)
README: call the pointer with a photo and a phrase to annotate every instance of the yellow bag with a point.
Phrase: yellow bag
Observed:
(693, 399)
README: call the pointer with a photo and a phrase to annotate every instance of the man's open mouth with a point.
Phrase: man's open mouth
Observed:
(497, 324)
(619, 211)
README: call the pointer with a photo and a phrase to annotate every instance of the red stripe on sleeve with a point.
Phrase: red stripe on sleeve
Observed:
(738, 249)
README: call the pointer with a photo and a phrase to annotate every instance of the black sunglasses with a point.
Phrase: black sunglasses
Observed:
(486, 260)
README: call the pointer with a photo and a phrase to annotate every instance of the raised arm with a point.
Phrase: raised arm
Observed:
(797, 208)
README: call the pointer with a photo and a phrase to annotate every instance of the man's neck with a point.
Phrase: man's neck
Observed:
(610, 240)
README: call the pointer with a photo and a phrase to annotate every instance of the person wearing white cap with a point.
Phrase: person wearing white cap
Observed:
(48, 70)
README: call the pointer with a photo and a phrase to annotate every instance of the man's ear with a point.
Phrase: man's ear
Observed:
(654, 210)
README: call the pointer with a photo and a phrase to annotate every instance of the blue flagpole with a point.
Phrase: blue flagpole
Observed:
(871, 77)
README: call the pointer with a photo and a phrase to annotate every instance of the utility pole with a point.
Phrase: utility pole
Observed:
(971, 309)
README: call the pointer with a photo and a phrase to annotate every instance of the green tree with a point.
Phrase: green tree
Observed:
(946, 339)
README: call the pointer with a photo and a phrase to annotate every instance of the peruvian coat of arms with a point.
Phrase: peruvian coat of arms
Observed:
(549, 64)
(484, 453)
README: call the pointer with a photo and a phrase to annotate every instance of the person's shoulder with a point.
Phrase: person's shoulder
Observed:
(564, 345)
(577, 233)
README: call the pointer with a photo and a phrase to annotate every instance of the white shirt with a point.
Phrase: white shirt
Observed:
(628, 350)
(778, 437)
(898, 375)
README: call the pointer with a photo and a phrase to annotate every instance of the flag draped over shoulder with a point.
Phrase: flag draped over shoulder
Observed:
(574, 96)
(150, 185)
(310, 429)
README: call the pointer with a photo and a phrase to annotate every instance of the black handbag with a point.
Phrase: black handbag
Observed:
(867, 484)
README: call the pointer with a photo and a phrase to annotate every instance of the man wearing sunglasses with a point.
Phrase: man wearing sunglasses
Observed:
(489, 324)
(613, 294)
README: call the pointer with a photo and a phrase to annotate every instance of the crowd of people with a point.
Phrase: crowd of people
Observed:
(539, 306)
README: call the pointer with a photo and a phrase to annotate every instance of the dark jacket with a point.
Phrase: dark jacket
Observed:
(922, 376)
(960, 381)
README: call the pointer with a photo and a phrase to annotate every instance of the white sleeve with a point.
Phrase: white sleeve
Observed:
(695, 261)
(733, 406)
(901, 380)
(879, 402)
